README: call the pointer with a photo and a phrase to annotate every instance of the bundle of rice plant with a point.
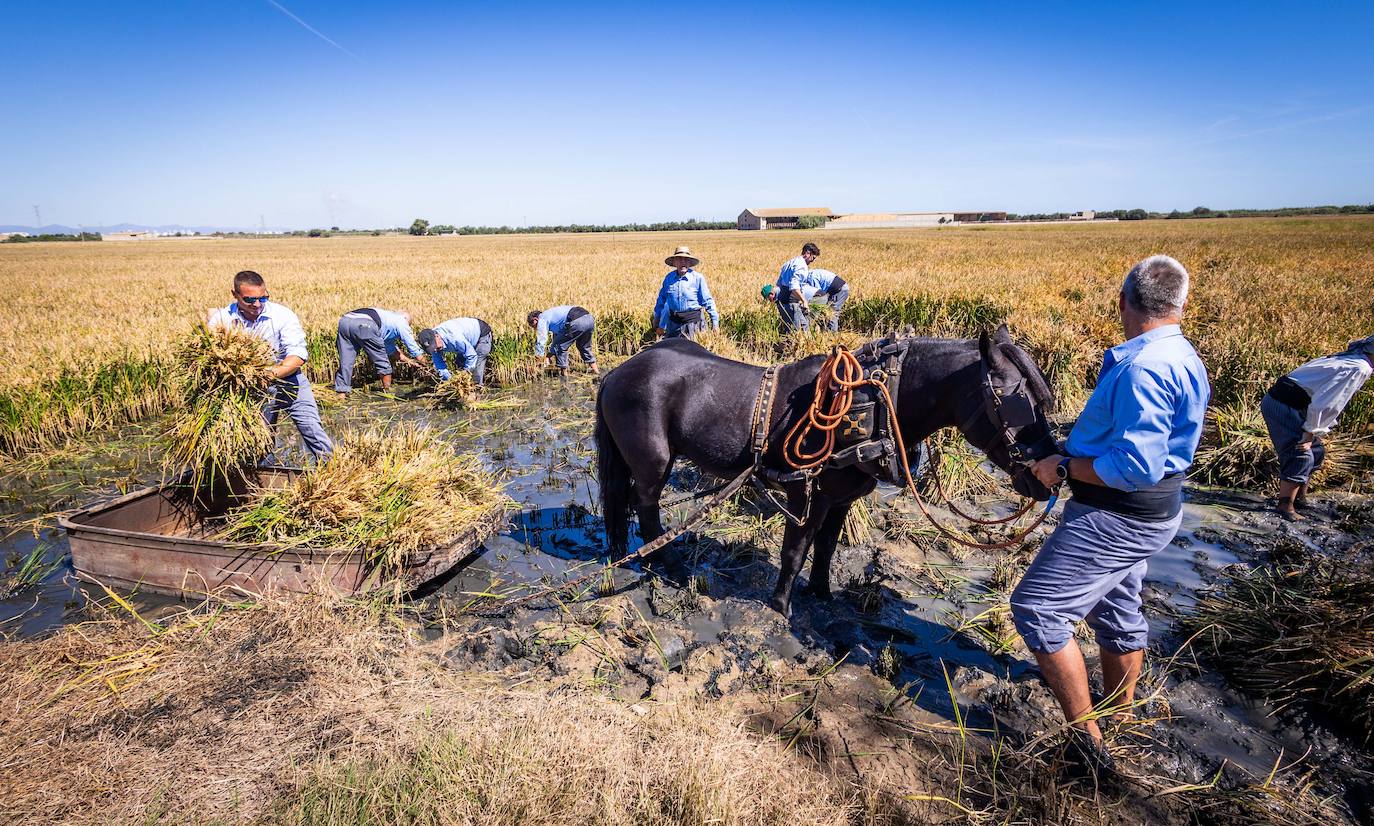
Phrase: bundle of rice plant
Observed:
(386, 492)
(454, 394)
(1302, 631)
(223, 375)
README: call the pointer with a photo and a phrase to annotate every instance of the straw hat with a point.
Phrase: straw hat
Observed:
(682, 257)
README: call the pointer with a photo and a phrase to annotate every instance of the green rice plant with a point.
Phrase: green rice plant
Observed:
(388, 491)
(224, 374)
(512, 360)
(28, 570)
(622, 332)
(928, 314)
(753, 328)
(1299, 630)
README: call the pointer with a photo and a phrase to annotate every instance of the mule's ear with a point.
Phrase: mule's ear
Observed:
(984, 345)
(991, 349)
(1003, 335)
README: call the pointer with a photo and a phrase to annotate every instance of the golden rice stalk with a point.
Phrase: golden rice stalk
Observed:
(388, 491)
(457, 393)
(223, 375)
(1236, 452)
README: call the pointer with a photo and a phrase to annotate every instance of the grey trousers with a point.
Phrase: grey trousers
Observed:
(479, 368)
(1092, 567)
(836, 302)
(792, 316)
(357, 334)
(579, 331)
(689, 330)
(1285, 425)
(294, 395)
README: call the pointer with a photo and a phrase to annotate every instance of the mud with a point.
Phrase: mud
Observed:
(915, 648)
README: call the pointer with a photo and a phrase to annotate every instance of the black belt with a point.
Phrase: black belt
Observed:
(575, 313)
(1158, 503)
(835, 286)
(1289, 392)
(686, 316)
(483, 329)
(370, 313)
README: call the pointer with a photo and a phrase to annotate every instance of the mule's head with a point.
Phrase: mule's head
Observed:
(1005, 415)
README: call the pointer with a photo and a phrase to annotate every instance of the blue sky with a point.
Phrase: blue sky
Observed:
(218, 112)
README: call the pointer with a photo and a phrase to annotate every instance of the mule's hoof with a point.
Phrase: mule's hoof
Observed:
(820, 592)
(781, 604)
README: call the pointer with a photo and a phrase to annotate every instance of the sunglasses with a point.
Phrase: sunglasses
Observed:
(261, 299)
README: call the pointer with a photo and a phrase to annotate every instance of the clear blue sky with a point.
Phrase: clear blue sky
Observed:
(217, 112)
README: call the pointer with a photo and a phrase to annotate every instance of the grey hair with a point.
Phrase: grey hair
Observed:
(1156, 287)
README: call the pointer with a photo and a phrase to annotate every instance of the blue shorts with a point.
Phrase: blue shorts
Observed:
(1092, 567)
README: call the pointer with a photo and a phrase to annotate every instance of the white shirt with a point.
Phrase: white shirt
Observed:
(1331, 382)
(275, 325)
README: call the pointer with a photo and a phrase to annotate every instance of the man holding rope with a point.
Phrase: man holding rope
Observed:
(1124, 461)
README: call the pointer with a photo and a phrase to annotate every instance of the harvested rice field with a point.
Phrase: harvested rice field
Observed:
(671, 693)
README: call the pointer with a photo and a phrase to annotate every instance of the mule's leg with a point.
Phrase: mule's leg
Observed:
(827, 537)
(795, 542)
(651, 474)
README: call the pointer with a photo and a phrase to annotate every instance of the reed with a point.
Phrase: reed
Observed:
(389, 491)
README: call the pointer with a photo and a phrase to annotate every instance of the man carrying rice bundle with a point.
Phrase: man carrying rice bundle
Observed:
(1124, 461)
(567, 325)
(1302, 407)
(470, 339)
(683, 298)
(832, 288)
(377, 333)
(281, 329)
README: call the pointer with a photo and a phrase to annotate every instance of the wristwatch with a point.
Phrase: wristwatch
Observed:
(1062, 469)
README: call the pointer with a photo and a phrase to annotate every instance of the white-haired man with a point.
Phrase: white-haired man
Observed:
(1124, 461)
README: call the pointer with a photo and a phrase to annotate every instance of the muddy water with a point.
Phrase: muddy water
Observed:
(913, 613)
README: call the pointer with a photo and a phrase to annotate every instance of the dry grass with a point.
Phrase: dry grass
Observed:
(389, 491)
(1268, 294)
(322, 711)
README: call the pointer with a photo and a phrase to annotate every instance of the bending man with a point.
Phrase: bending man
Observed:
(468, 338)
(683, 297)
(280, 328)
(566, 325)
(833, 289)
(1302, 407)
(793, 311)
(1124, 461)
(377, 333)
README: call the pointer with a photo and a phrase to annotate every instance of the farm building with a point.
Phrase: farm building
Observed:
(876, 220)
(778, 218)
(1085, 215)
(142, 235)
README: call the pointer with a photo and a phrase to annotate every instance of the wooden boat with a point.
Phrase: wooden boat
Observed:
(159, 539)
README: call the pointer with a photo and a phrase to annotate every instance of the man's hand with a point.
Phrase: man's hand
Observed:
(659, 332)
(1306, 441)
(1047, 470)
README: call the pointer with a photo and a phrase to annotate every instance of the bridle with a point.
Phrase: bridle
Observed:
(1008, 411)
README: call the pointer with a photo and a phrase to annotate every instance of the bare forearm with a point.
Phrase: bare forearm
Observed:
(287, 367)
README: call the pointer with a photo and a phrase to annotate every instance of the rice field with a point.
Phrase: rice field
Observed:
(90, 327)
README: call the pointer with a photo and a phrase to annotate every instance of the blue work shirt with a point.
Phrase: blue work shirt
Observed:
(396, 331)
(552, 320)
(460, 336)
(681, 293)
(1145, 416)
(820, 279)
(794, 274)
(275, 325)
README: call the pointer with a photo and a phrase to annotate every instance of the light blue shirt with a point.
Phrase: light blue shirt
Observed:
(820, 279)
(552, 320)
(275, 325)
(681, 293)
(794, 274)
(1145, 416)
(396, 331)
(460, 336)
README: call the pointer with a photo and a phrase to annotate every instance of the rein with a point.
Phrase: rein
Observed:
(841, 375)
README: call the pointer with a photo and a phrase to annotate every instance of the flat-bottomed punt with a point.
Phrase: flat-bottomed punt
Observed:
(159, 539)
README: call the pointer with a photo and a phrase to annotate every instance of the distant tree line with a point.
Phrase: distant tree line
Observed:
(21, 239)
(423, 227)
(1202, 212)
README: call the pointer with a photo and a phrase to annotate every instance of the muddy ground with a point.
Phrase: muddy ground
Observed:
(911, 680)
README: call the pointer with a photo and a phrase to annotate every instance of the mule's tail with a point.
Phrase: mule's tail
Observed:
(613, 475)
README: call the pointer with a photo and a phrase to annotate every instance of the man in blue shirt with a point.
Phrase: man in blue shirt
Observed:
(567, 325)
(1124, 461)
(470, 339)
(833, 289)
(375, 332)
(683, 297)
(791, 303)
(280, 328)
